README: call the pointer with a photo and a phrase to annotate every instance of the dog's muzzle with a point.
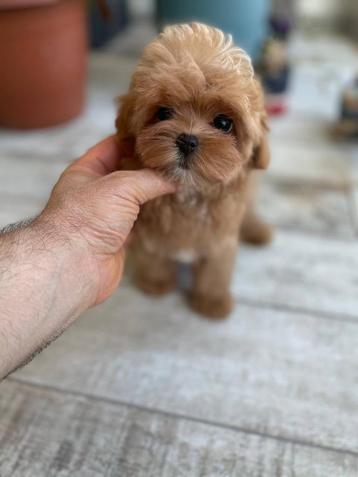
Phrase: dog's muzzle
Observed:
(186, 143)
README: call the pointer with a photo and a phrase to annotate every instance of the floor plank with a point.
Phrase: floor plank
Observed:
(306, 207)
(301, 272)
(75, 436)
(297, 129)
(307, 163)
(265, 371)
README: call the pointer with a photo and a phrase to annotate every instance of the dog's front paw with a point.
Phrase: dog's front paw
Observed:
(153, 286)
(213, 307)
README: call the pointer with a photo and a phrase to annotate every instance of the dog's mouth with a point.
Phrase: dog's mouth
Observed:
(180, 168)
(181, 172)
(183, 161)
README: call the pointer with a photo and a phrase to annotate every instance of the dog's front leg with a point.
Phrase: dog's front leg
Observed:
(212, 275)
(154, 274)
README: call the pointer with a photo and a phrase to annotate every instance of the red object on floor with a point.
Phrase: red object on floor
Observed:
(275, 106)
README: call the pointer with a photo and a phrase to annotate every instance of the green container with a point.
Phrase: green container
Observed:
(246, 20)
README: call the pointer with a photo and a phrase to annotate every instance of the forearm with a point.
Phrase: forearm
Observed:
(72, 256)
(43, 287)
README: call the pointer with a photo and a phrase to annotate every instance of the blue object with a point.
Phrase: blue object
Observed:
(276, 83)
(246, 20)
(104, 29)
(348, 113)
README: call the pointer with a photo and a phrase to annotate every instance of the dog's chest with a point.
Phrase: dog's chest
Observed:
(193, 206)
(185, 226)
(189, 219)
(188, 213)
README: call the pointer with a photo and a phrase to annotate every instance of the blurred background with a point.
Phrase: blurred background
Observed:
(272, 391)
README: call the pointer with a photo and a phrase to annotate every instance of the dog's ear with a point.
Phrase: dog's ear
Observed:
(261, 154)
(123, 125)
(125, 109)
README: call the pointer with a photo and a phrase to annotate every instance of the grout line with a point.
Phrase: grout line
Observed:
(324, 184)
(318, 183)
(266, 305)
(183, 417)
(307, 233)
(323, 315)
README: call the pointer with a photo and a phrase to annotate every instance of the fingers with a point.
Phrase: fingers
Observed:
(147, 185)
(101, 159)
(138, 186)
(114, 275)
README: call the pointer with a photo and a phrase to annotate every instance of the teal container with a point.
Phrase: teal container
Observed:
(246, 20)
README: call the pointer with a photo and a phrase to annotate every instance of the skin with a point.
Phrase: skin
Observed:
(71, 257)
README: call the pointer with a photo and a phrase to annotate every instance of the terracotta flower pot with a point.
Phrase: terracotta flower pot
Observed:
(43, 52)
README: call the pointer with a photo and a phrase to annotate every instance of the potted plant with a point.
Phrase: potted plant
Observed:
(43, 52)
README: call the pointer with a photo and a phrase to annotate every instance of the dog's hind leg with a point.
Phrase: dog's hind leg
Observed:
(254, 230)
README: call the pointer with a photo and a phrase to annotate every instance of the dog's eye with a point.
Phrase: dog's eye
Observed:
(224, 123)
(163, 113)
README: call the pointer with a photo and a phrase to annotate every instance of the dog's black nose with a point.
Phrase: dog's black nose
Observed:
(187, 143)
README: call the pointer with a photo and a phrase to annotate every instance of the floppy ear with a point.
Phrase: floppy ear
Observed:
(125, 110)
(123, 125)
(261, 154)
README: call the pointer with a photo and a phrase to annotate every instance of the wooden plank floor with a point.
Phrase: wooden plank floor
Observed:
(142, 387)
(71, 434)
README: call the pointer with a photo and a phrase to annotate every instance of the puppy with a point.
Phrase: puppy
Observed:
(194, 113)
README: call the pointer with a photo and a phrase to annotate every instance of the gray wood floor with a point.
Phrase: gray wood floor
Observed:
(142, 387)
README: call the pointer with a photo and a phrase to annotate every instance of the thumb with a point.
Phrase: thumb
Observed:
(138, 186)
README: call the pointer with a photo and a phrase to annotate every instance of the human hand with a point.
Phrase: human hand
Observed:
(93, 208)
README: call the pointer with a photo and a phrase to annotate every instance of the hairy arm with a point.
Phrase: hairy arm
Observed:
(71, 257)
(44, 286)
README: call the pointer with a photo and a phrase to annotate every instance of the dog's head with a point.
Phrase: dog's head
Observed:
(194, 110)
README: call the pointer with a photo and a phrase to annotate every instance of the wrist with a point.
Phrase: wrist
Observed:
(69, 258)
(54, 269)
